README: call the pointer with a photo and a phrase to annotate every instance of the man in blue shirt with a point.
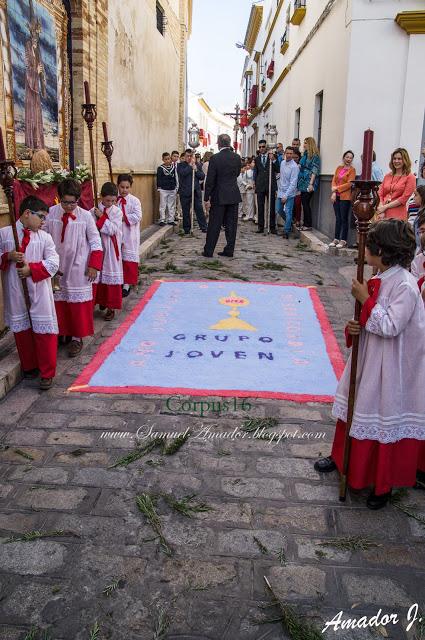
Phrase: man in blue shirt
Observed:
(287, 189)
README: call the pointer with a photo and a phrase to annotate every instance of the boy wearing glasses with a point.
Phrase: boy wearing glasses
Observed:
(36, 262)
(79, 247)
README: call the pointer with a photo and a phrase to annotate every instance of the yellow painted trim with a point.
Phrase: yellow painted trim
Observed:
(189, 17)
(254, 24)
(272, 26)
(257, 56)
(411, 21)
(268, 105)
(298, 16)
(204, 105)
(284, 48)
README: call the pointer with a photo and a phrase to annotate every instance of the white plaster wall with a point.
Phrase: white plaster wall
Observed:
(143, 92)
(391, 98)
(320, 67)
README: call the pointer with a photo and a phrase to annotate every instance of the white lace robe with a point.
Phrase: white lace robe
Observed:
(131, 233)
(112, 227)
(81, 238)
(390, 397)
(43, 314)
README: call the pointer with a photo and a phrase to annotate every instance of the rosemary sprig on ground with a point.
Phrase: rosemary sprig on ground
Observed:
(170, 266)
(409, 509)
(138, 453)
(36, 535)
(146, 505)
(162, 624)
(295, 626)
(254, 424)
(110, 588)
(176, 444)
(238, 276)
(350, 543)
(94, 633)
(24, 454)
(281, 555)
(270, 266)
(260, 545)
(185, 506)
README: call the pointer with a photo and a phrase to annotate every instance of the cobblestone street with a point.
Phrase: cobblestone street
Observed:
(271, 510)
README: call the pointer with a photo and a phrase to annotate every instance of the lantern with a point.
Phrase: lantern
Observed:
(193, 136)
(271, 136)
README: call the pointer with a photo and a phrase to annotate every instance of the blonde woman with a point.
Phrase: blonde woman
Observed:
(308, 180)
(396, 187)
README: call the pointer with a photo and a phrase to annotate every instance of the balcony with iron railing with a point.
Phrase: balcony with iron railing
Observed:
(300, 8)
(284, 42)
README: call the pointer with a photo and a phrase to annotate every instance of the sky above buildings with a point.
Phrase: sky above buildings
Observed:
(215, 64)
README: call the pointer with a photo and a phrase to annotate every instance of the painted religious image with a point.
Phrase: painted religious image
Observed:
(34, 73)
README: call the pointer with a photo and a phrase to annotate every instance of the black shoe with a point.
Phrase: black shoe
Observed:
(101, 307)
(125, 292)
(325, 465)
(206, 255)
(203, 230)
(420, 480)
(161, 223)
(286, 235)
(273, 231)
(377, 502)
(260, 230)
(226, 255)
(31, 374)
(187, 233)
(171, 223)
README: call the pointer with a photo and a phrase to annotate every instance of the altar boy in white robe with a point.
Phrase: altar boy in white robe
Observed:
(131, 219)
(388, 427)
(36, 261)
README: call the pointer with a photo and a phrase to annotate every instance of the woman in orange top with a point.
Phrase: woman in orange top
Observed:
(341, 198)
(397, 187)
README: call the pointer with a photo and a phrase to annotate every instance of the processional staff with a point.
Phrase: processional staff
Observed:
(365, 202)
(89, 113)
(8, 173)
(107, 148)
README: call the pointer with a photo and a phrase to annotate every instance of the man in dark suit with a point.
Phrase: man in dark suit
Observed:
(185, 170)
(222, 196)
(261, 179)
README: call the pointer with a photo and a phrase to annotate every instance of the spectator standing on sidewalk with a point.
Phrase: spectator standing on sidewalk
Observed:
(308, 181)
(344, 175)
(166, 182)
(396, 187)
(287, 189)
(185, 170)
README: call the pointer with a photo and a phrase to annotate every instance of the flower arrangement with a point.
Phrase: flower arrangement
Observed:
(80, 173)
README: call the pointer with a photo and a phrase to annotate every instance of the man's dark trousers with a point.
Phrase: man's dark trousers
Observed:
(186, 203)
(261, 199)
(219, 215)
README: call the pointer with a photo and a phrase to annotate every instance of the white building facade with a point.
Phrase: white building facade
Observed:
(209, 121)
(331, 69)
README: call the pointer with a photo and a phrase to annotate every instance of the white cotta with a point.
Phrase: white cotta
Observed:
(81, 238)
(112, 266)
(417, 268)
(43, 315)
(131, 234)
(390, 398)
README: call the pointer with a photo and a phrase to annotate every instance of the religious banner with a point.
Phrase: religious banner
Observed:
(221, 338)
(35, 78)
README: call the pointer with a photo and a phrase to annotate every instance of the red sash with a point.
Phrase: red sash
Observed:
(65, 220)
(122, 201)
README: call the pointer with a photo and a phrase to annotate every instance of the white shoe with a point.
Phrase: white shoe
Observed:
(341, 244)
(333, 243)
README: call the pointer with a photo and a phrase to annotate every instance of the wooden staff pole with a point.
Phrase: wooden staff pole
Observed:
(365, 202)
(107, 148)
(89, 113)
(8, 173)
(193, 200)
